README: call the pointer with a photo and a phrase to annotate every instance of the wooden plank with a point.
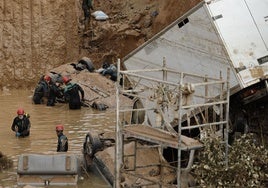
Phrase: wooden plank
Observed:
(159, 136)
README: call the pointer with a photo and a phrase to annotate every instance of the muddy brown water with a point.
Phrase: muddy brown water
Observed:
(43, 139)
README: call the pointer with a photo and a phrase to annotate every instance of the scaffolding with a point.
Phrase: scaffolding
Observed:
(171, 102)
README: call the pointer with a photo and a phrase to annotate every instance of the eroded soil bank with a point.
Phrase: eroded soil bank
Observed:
(36, 36)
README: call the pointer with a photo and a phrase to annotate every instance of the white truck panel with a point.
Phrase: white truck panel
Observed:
(243, 26)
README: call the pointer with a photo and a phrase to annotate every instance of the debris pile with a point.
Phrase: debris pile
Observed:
(5, 162)
(99, 89)
(248, 164)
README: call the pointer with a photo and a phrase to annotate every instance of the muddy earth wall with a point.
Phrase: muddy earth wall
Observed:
(34, 37)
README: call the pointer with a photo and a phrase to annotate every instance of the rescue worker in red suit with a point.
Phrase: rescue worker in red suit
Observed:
(71, 94)
(62, 139)
(21, 124)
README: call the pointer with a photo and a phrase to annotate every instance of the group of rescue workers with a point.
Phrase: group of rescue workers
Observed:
(53, 91)
(52, 88)
(47, 88)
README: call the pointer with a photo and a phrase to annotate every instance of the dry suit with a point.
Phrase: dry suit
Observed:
(53, 93)
(62, 143)
(71, 94)
(40, 91)
(23, 126)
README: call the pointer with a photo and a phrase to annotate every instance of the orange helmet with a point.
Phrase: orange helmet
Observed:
(47, 78)
(20, 111)
(66, 79)
(59, 127)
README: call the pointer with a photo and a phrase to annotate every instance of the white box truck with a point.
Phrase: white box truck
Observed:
(214, 35)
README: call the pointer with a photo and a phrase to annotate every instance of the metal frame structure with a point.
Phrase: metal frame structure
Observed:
(193, 101)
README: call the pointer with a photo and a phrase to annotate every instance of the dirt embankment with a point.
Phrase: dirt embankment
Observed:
(36, 36)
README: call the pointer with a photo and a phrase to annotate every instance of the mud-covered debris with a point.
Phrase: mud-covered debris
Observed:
(247, 164)
(5, 162)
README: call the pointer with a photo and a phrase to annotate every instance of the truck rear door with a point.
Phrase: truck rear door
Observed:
(243, 27)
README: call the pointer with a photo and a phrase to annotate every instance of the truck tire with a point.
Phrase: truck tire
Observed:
(91, 145)
(88, 63)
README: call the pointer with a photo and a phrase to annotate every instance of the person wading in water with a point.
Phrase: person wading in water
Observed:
(71, 94)
(21, 124)
(62, 139)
